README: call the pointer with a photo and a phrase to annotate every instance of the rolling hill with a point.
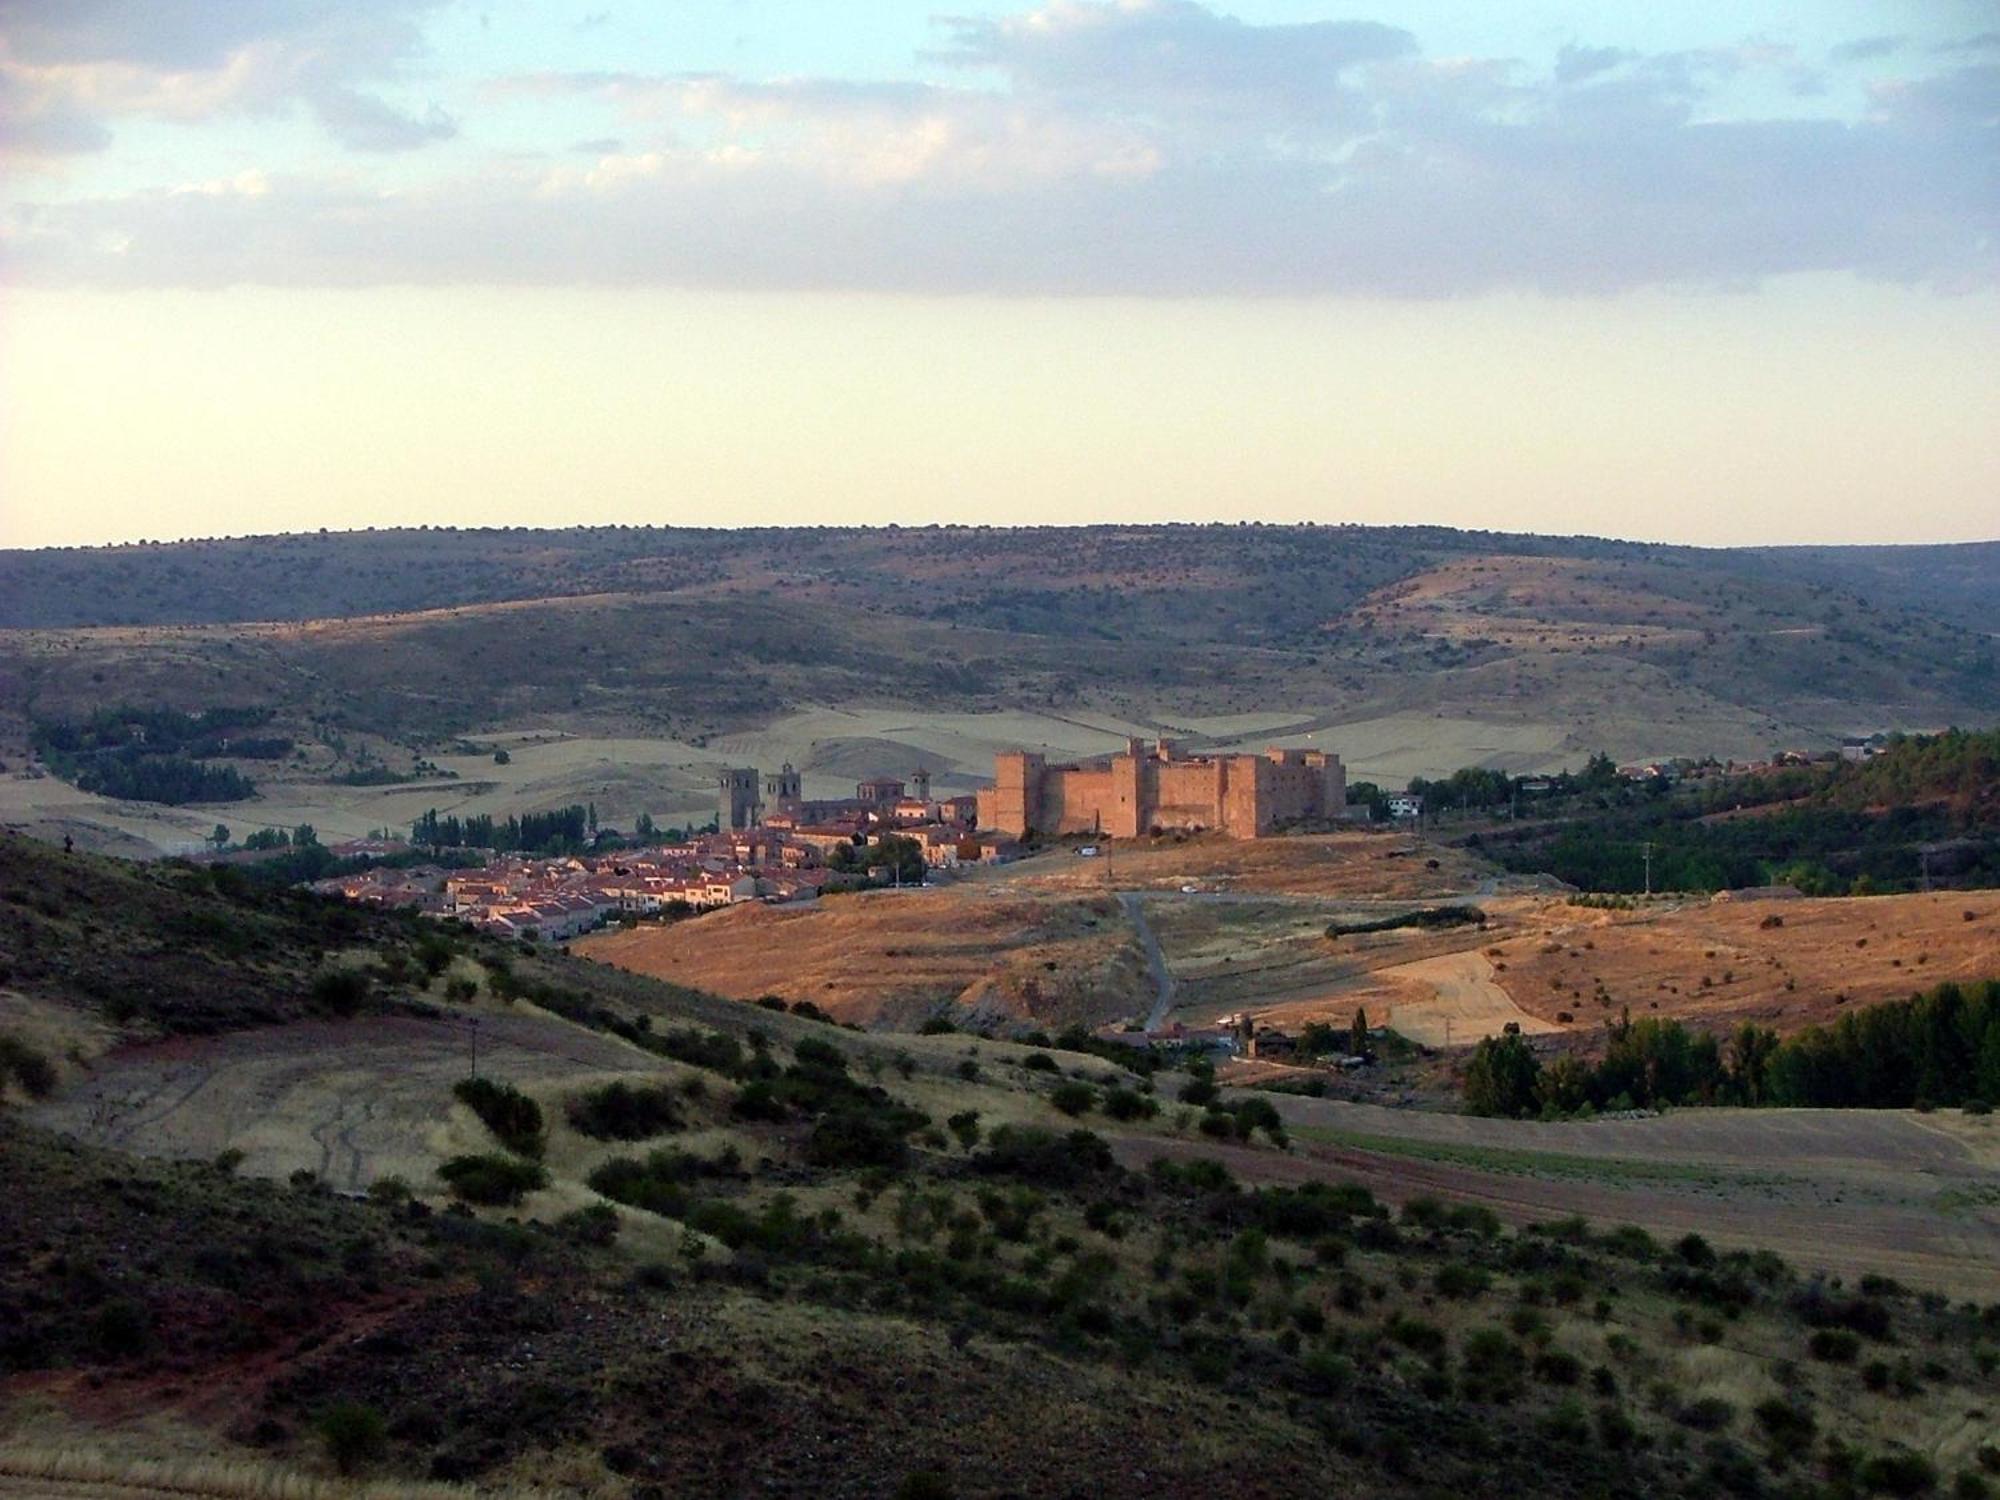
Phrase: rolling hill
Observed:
(1413, 650)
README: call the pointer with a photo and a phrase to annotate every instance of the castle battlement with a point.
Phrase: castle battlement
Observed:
(1139, 790)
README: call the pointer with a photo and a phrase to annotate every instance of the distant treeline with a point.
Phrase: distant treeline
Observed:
(1928, 808)
(1938, 1048)
(155, 754)
(564, 831)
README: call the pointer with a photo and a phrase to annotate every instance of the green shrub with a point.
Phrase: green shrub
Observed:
(622, 1111)
(1788, 1428)
(1129, 1104)
(514, 1118)
(596, 1224)
(1558, 1367)
(121, 1329)
(1834, 1345)
(493, 1180)
(1708, 1414)
(857, 1138)
(354, 1435)
(340, 992)
(1459, 1281)
(1898, 1473)
(1043, 1158)
(1073, 1098)
(35, 1074)
(1040, 1062)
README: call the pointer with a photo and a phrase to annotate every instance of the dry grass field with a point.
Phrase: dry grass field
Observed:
(1549, 966)
(1358, 865)
(1842, 1191)
(895, 957)
(1784, 964)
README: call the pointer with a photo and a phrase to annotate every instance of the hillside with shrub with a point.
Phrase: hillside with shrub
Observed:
(767, 1254)
(1926, 811)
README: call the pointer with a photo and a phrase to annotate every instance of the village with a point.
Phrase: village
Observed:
(777, 850)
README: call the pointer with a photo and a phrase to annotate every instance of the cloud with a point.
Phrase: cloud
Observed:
(1149, 147)
(1574, 64)
(1865, 49)
(364, 123)
(69, 72)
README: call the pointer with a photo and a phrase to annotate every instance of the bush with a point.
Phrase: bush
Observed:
(514, 1118)
(856, 1138)
(1708, 1414)
(493, 1181)
(1200, 1091)
(659, 1183)
(1129, 1104)
(1789, 1429)
(33, 1072)
(354, 1434)
(1073, 1098)
(1898, 1473)
(121, 1329)
(1459, 1281)
(1558, 1367)
(340, 992)
(1834, 1345)
(1044, 1158)
(1040, 1062)
(624, 1111)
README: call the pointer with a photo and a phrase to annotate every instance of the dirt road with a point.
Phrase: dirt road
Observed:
(1156, 960)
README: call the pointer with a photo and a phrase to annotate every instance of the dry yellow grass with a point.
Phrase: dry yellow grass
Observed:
(895, 956)
(91, 1471)
(1717, 962)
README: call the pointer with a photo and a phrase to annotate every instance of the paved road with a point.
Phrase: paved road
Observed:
(1163, 978)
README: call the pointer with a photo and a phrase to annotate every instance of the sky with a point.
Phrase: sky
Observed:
(1711, 273)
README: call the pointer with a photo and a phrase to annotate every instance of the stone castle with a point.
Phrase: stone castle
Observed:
(1137, 791)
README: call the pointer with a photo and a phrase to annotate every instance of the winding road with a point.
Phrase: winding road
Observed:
(1156, 960)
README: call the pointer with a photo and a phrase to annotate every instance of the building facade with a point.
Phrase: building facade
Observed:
(1139, 790)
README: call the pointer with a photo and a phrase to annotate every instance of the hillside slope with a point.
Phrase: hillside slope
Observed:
(1526, 651)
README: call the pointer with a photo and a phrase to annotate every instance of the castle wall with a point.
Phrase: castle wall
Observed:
(1244, 795)
(1187, 794)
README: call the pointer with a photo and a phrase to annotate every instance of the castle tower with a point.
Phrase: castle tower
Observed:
(736, 806)
(782, 790)
(1017, 788)
(920, 784)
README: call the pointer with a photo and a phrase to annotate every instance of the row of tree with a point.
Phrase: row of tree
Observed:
(567, 830)
(1938, 1048)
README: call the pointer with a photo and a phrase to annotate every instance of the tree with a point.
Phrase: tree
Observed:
(644, 826)
(901, 858)
(354, 1434)
(1751, 1048)
(502, 758)
(1502, 1076)
(304, 836)
(1357, 1036)
(220, 838)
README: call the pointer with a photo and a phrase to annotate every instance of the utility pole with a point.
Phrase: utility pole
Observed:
(1646, 851)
